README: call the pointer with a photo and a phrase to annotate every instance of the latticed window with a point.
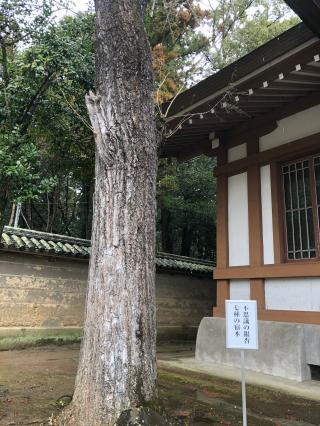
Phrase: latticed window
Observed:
(301, 184)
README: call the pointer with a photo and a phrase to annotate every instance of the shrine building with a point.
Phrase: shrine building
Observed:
(260, 117)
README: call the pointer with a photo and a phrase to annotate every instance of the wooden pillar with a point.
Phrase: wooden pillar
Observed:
(222, 235)
(257, 293)
(277, 217)
(255, 226)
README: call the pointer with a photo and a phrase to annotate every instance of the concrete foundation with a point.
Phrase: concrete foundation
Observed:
(285, 349)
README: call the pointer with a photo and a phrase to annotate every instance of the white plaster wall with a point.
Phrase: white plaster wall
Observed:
(238, 222)
(293, 294)
(297, 126)
(240, 290)
(267, 222)
(237, 152)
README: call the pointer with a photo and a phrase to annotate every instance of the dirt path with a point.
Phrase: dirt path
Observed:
(33, 380)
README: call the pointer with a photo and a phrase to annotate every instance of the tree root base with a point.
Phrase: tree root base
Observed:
(133, 417)
(141, 416)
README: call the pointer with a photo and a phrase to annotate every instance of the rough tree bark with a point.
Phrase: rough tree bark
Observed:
(117, 368)
(85, 209)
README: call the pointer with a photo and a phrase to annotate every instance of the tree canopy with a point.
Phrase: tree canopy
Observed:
(46, 142)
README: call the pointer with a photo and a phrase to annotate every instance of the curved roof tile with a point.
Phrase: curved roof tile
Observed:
(19, 239)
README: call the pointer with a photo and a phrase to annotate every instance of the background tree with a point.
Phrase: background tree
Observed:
(175, 36)
(47, 78)
(66, 140)
(20, 171)
(237, 27)
(186, 207)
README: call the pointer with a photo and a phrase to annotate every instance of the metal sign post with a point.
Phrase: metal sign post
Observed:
(242, 333)
(243, 388)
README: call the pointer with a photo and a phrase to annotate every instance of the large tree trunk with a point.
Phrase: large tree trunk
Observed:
(117, 368)
(85, 209)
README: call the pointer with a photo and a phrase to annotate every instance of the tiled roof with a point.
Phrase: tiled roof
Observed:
(35, 241)
(26, 240)
(184, 264)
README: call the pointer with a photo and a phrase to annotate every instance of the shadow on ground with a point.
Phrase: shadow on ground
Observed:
(36, 382)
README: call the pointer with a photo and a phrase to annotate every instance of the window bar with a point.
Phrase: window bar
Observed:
(299, 208)
(313, 184)
(317, 167)
(302, 208)
(288, 213)
(306, 212)
(291, 215)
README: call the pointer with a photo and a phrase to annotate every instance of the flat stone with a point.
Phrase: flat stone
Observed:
(141, 417)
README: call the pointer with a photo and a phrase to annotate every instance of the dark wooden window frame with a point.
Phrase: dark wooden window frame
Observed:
(314, 202)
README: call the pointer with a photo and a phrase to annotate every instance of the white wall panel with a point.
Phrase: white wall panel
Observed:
(297, 126)
(267, 222)
(237, 152)
(293, 294)
(238, 223)
(240, 289)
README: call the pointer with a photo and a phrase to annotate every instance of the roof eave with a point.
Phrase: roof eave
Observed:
(253, 63)
(309, 12)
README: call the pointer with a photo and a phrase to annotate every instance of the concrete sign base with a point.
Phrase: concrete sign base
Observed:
(285, 349)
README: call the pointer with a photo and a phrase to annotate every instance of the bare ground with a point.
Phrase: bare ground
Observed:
(33, 382)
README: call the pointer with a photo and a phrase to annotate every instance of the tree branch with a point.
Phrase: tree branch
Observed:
(33, 102)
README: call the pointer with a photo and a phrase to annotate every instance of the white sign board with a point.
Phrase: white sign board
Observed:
(241, 324)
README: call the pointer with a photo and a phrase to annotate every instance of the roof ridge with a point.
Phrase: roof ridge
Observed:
(45, 235)
(184, 258)
(28, 240)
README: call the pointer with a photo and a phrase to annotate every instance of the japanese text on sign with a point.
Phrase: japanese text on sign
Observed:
(241, 324)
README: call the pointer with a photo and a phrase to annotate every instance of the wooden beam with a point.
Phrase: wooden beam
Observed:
(257, 292)
(222, 213)
(250, 130)
(261, 126)
(223, 287)
(302, 317)
(309, 69)
(264, 98)
(255, 216)
(301, 78)
(223, 294)
(255, 225)
(277, 213)
(285, 270)
(293, 88)
(203, 149)
(288, 151)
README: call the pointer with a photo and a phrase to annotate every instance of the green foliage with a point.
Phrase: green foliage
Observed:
(46, 143)
(46, 138)
(187, 205)
(172, 28)
(240, 26)
(20, 168)
(66, 139)
(21, 22)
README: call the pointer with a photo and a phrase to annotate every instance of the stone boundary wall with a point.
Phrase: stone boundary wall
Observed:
(42, 298)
